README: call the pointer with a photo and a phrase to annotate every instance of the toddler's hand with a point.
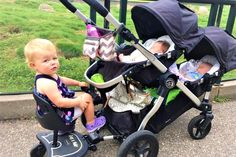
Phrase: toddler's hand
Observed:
(83, 105)
(85, 100)
(83, 84)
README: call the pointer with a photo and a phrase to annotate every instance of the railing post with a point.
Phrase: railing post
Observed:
(92, 14)
(219, 15)
(122, 18)
(212, 15)
(231, 18)
(107, 4)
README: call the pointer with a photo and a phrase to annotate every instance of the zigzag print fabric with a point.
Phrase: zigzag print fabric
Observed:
(100, 43)
(106, 44)
(90, 47)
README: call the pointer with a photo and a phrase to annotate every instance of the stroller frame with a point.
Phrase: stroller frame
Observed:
(167, 84)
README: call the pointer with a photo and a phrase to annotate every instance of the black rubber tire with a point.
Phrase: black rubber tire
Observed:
(38, 151)
(195, 129)
(139, 143)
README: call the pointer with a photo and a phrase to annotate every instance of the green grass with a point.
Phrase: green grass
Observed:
(221, 99)
(21, 21)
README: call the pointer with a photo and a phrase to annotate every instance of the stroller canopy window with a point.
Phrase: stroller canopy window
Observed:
(171, 18)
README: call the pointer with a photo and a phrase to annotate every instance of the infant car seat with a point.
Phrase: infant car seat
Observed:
(52, 144)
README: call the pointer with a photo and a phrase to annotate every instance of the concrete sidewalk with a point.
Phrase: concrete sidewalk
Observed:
(23, 106)
(17, 137)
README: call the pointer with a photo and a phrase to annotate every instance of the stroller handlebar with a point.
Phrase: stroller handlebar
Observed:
(68, 5)
(98, 7)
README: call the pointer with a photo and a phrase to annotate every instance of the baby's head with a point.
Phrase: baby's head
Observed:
(41, 53)
(160, 47)
(204, 67)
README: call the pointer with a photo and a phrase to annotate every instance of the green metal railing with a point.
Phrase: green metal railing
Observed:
(216, 11)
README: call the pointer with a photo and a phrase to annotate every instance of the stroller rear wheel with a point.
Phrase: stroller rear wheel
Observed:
(198, 128)
(140, 143)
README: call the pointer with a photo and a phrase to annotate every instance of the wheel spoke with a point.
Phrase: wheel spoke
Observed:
(198, 133)
(132, 152)
(140, 149)
(144, 145)
(146, 151)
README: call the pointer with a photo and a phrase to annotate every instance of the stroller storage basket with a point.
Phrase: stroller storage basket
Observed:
(127, 122)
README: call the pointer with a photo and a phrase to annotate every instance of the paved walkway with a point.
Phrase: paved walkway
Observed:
(18, 136)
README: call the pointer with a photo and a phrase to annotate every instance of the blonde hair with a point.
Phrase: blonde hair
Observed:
(35, 46)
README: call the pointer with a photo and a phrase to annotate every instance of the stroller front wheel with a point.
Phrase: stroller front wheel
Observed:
(198, 128)
(140, 143)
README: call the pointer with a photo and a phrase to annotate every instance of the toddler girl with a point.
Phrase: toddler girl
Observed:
(41, 56)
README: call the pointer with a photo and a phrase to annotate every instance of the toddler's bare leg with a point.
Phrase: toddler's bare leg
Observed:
(89, 111)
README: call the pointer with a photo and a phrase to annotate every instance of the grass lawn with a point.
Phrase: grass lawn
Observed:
(22, 20)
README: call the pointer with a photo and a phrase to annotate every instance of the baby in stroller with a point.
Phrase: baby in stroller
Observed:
(156, 46)
(133, 99)
(193, 70)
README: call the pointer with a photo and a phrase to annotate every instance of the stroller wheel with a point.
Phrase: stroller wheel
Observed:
(197, 128)
(140, 143)
(38, 151)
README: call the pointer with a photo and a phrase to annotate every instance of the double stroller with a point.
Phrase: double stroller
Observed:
(135, 130)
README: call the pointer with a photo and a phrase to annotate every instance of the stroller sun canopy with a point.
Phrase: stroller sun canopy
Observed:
(167, 17)
(219, 43)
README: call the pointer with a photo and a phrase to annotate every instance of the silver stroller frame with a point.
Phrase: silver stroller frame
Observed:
(167, 84)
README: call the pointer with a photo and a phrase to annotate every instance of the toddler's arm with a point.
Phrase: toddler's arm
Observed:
(71, 82)
(50, 89)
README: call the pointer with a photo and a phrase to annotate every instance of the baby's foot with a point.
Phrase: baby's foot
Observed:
(98, 123)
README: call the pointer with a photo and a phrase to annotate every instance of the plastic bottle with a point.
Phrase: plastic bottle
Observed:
(92, 31)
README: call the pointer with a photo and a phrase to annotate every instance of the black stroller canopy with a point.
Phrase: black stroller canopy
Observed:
(167, 17)
(218, 43)
(224, 46)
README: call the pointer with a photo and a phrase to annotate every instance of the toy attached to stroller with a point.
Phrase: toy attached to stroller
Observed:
(136, 129)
